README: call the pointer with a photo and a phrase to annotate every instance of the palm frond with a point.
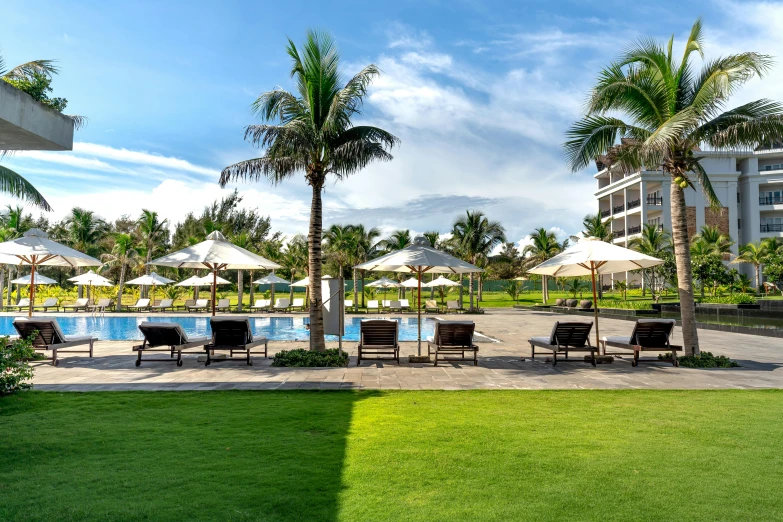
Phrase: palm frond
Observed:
(593, 136)
(274, 169)
(636, 92)
(45, 67)
(16, 185)
(355, 155)
(670, 131)
(721, 78)
(706, 186)
(348, 100)
(746, 126)
(367, 133)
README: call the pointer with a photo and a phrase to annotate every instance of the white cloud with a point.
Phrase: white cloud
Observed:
(141, 158)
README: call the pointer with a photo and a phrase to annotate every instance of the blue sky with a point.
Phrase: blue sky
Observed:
(479, 92)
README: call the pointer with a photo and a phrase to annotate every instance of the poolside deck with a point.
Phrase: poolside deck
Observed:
(500, 366)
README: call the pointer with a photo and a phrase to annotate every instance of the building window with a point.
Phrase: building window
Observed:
(739, 223)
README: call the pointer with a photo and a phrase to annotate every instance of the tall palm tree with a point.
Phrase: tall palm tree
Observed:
(125, 255)
(398, 240)
(715, 239)
(315, 136)
(671, 111)
(543, 245)
(596, 227)
(154, 234)
(341, 246)
(366, 244)
(295, 259)
(652, 242)
(754, 254)
(476, 237)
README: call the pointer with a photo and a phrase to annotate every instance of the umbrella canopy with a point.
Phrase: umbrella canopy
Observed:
(208, 280)
(39, 280)
(150, 279)
(591, 256)
(215, 253)
(272, 279)
(441, 281)
(418, 258)
(35, 248)
(91, 279)
(384, 282)
(191, 281)
(413, 282)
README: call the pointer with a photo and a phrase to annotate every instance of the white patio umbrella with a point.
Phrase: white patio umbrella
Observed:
(152, 279)
(90, 279)
(591, 256)
(35, 248)
(39, 280)
(419, 258)
(273, 279)
(215, 253)
(441, 281)
(190, 281)
(207, 281)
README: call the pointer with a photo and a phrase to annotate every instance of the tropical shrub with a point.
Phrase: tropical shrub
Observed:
(730, 299)
(624, 305)
(300, 358)
(703, 360)
(14, 368)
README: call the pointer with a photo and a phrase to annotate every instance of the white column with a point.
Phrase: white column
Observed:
(666, 208)
(733, 216)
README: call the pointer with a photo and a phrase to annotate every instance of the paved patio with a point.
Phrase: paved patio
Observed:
(500, 366)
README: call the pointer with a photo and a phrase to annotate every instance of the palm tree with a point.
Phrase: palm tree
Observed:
(596, 227)
(295, 259)
(543, 245)
(755, 254)
(476, 237)
(398, 240)
(154, 233)
(366, 243)
(85, 230)
(715, 239)
(315, 136)
(674, 111)
(125, 255)
(652, 242)
(341, 246)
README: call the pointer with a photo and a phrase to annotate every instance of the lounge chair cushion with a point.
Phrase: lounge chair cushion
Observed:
(167, 334)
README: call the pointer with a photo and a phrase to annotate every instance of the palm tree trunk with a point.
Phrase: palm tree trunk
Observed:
(461, 291)
(291, 289)
(317, 341)
(8, 297)
(252, 293)
(682, 255)
(363, 271)
(470, 282)
(120, 288)
(480, 287)
(240, 284)
(80, 288)
(758, 278)
(355, 291)
(2, 284)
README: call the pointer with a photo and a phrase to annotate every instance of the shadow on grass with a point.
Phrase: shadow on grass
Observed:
(174, 456)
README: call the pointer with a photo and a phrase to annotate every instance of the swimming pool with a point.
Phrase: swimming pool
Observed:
(285, 328)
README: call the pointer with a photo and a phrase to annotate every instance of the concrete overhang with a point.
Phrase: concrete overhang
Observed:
(26, 124)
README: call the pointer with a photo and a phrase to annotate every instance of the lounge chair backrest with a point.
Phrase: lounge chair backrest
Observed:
(652, 333)
(298, 301)
(431, 304)
(395, 304)
(49, 331)
(378, 332)
(163, 334)
(223, 303)
(454, 333)
(570, 334)
(452, 305)
(143, 302)
(166, 303)
(386, 303)
(282, 302)
(50, 301)
(81, 302)
(190, 302)
(231, 331)
(348, 303)
(25, 301)
(262, 303)
(202, 303)
(405, 303)
(103, 303)
(372, 304)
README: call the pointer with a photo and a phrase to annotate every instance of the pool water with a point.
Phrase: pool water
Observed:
(287, 328)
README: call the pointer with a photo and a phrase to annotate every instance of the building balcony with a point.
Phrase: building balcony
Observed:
(618, 233)
(775, 227)
(634, 203)
(771, 201)
(655, 202)
(617, 209)
(606, 213)
(634, 230)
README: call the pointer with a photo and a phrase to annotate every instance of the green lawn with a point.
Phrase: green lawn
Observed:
(497, 455)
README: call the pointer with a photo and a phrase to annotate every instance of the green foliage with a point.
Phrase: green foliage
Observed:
(172, 292)
(38, 85)
(14, 369)
(625, 305)
(730, 299)
(301, 358)
(703, 360)
(512, 289)
(574, 285)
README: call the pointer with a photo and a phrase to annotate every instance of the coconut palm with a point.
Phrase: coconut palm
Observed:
(154, 234)
(295, 259)
(652, 242)
(314, 136)
(85, 230)
(341, 246)
(366, 243)
(124, 255)
(397, 240)
(476, 237)
(715, 239)
(543, 245)
(596, 227)
(671, 111)
(754, 254)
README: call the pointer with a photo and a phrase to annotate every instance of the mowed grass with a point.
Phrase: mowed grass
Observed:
(375, 456)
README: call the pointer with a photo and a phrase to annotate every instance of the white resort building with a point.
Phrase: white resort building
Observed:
(749, 186)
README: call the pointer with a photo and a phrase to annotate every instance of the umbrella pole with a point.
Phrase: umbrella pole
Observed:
(32, 287)
(595, 305)
(419, 310)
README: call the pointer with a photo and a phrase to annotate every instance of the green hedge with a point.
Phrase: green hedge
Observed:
(300, 358)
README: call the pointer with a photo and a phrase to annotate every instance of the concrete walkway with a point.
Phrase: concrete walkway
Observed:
(501, 366)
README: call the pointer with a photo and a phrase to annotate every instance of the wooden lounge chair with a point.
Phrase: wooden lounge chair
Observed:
(186, 304)
(166, 337)
(261, 304)
(385, 304)
(163, 305)
(565, 338)
(648, 335)
(405, 305)
(282, 304)
(233, 334)
(50, 302)
(395, 306)
(200, 304)
(101, 305)
(431, 306)
(23, 304)
(373, 306)
(141, 304)
(348, 303)
(452, 338)
(298, 304)
(378, 337)
(48, 337)
(223, 305)
(80, 304)
(453, 306)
